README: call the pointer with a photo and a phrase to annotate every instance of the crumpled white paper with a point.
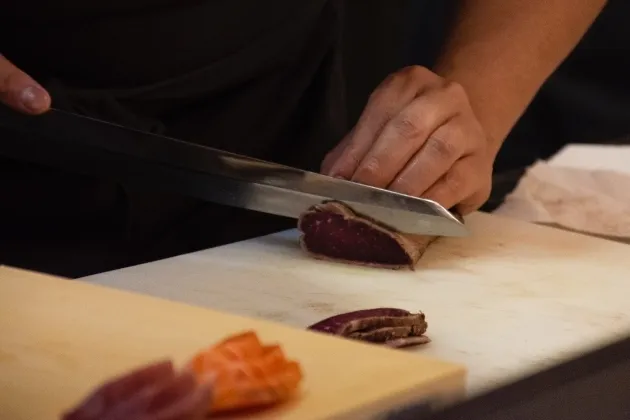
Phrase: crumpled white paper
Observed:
(596, 202)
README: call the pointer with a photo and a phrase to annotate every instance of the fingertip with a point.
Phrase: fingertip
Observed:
(466, 207)
(326, 164)
(341, 170)
(19, 91)
(333, 173)
(331, 166)
(336, 175)
(34, 99)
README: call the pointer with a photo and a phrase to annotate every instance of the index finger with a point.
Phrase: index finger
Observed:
(19, 91)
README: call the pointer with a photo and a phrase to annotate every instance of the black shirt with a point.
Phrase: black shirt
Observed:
(262, 78)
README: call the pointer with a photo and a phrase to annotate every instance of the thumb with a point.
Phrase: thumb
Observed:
(19, 91)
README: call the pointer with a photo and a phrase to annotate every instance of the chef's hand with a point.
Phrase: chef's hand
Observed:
(19, 91)
(418, 135)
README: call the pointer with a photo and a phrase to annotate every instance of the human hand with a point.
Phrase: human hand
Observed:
(19, 91)
(418, 135)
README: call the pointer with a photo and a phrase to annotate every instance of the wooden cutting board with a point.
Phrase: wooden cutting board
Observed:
(59, 339)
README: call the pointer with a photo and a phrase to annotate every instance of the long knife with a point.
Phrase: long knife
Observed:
(88, 145)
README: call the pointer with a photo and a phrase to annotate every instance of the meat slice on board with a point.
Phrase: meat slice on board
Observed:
(333, 231)
(391, 327)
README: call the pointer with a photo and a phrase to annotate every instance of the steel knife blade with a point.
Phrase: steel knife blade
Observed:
(211, 174)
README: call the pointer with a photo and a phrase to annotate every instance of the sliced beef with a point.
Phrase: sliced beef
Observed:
(333, 231)
(388, 326)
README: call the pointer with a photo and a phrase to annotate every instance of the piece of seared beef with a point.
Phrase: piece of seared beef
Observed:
(391, 327)
(333, 231)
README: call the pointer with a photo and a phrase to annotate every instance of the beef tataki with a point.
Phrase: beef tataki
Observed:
(333, 231)
(389, 326)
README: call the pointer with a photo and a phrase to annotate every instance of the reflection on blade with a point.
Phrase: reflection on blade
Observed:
(291, 203)
(285, 191)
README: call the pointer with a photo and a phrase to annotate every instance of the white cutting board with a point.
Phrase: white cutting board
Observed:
(510, 299)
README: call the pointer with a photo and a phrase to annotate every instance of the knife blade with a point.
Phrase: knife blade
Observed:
(210, 174)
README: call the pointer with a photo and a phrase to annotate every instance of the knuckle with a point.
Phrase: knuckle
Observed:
(371, 166)
(375, 96)
(408, 127)
(441, 148)
(351, 161)
(388, 114)
(392, 80)
(454, 179)
(418, 72)
(380, 103)
(457, 91)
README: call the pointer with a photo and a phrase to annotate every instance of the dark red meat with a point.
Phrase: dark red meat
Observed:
(155, 392)
(389, 326)
(333, 231)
